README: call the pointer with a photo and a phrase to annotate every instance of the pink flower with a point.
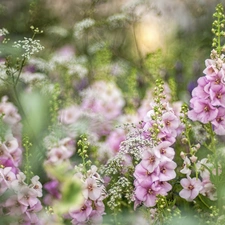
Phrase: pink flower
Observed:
(163, 150)
(202, 110)
(81, 214)
(36, 185)
(6, 177)
(217, 95)
(146, 192)
(186, 165)
(27, 196)
(191, 188)
(141, 173)
(150, 161)
(14, 206)
(171, 122)
(166, 170)
(91, 189)
(219, 122)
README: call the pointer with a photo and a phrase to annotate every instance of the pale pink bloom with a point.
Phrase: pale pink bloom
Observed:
(141, 174)
(163, 150)
(219, 122)
(217, 95)
(27, 196)
(19, 182)
(4, 153)
(82, 214)
(171, 122)
(186, 166)
(166, 170)
(191, 188)
(211, 68)
(146, 192)
(150, 161)
(202, 110)
(11, 144)
(167, 136)
(6, 178)
(91, 189)
(14, 206)
(36, 185)
(17, 156)
(165, 187)
(209, 190)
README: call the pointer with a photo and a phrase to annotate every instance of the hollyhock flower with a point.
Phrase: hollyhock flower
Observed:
(91, 189)
(209, 190)
(202, 91)
(191, 188)
(14, 207)
(19, 182)
(141, 174)
(163, 150)
(211, 68)
(17, 157)
(4, 153)
(171, 122)
(36, 185)
(165, 187)
(146, 192)
(27, 196)
(150, 161)
(11, 144)
(167, 136)
(166, 170)
(217, 95)
(82, 214)
(219, 122)
(6, 178)
(202, 110)
(186, 165)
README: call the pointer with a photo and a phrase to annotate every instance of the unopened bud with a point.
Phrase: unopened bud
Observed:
(193, 158)
(182, 155)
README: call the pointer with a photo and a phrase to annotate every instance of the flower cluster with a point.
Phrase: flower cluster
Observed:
(157, 167)
(23, 202)
(93, 191)
(208, 98)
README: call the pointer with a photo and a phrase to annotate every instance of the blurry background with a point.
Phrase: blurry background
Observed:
(173, 36)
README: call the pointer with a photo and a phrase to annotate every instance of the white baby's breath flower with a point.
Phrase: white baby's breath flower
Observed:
(29, 46)
(117, 20)
(81, 26)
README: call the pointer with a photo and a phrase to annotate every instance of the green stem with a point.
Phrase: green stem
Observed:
(203, 201)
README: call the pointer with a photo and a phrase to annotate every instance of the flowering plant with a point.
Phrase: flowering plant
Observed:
(100, 162)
